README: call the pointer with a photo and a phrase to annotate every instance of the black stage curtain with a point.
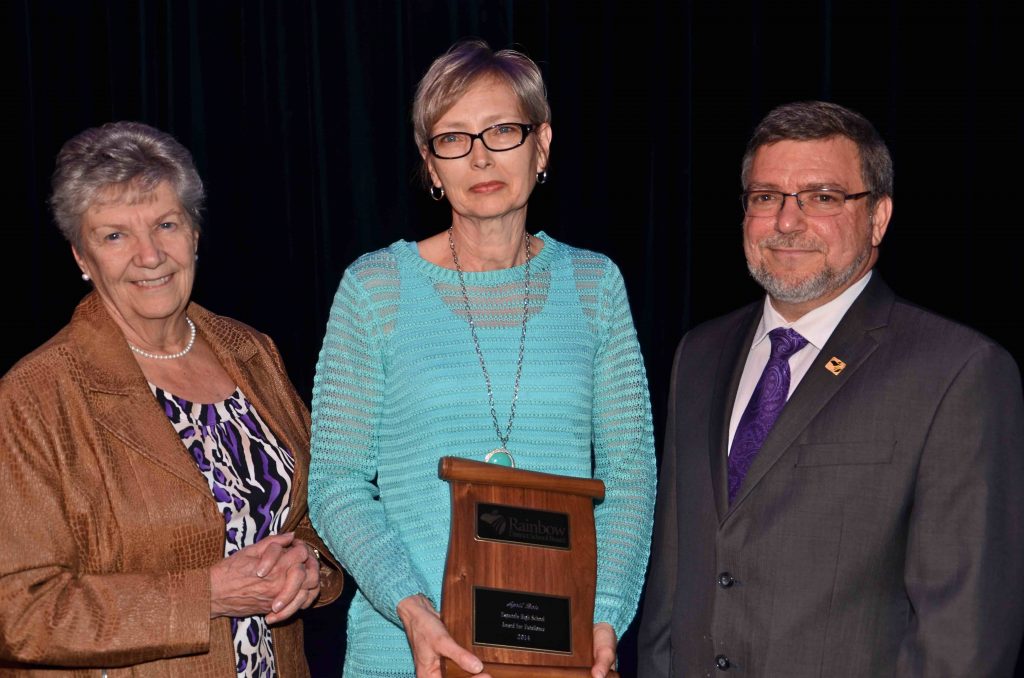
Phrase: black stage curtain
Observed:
(297, 113)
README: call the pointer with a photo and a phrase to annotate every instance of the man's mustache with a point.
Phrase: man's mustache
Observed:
(786, 241)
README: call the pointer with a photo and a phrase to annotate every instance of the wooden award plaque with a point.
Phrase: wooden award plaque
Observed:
(521, 572)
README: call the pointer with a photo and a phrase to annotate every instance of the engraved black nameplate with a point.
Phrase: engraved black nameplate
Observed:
(524, 621)
(517, 525)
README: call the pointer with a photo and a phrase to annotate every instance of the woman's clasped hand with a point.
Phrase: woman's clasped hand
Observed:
(276, 577)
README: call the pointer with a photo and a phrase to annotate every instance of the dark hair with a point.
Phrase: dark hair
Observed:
(120, 157)
(812, 120)
(462, 66)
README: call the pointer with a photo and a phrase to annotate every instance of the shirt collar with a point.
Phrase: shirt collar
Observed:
(816, 326)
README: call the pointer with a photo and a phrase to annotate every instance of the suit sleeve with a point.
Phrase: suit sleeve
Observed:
(57, 610)
(965, 545)
(655, 636)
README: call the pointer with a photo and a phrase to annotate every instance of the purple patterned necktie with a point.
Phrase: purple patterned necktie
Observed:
(766, 402)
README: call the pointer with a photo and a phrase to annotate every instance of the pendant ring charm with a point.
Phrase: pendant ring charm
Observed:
(501, 457)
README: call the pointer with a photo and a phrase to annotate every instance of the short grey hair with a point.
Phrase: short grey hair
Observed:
(120, 157)
(814, 120)
(462, 66)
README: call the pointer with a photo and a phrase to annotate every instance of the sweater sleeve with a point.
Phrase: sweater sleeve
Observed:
(348, 396)
(623, 458)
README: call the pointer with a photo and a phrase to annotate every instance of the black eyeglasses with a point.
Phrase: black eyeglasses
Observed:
(816, 202)
(501, 137)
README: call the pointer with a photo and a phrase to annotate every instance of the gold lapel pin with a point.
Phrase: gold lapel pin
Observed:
(835, 365)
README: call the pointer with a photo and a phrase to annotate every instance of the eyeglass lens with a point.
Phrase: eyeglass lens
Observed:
(819, 203)
(497, 138)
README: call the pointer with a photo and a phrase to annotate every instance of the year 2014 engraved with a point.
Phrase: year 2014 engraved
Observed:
(521, 620)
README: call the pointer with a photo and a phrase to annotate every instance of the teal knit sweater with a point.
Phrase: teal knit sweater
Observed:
(398, 385)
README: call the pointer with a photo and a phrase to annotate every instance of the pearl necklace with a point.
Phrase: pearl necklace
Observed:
(169, 356)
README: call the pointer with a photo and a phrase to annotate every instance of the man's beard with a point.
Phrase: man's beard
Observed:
(822, 283)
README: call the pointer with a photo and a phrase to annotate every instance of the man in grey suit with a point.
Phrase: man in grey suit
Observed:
(842, 484)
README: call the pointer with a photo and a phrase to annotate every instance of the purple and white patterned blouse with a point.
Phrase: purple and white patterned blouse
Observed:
(250, 476)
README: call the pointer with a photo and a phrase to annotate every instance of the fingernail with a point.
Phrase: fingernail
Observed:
(277, 606)
(261, 573)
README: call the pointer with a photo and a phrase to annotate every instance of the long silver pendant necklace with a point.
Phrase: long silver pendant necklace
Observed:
(499, 455)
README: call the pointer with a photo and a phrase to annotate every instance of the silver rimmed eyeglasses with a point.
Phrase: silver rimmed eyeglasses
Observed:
(815, 202)
(501, 137)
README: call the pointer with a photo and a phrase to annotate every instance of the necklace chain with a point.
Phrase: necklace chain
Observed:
(169, 356)
(476, 340)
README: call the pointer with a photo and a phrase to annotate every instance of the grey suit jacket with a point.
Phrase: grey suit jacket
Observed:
(879, 532)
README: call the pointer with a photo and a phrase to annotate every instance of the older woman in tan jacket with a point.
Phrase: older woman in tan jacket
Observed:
(153, 454)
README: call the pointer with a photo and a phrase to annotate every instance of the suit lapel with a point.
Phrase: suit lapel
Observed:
(726, 382)
(852, 341)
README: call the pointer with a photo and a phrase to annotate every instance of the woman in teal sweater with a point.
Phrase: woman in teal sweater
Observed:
(483, 342)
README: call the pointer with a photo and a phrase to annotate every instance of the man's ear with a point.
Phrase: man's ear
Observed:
(880, 219)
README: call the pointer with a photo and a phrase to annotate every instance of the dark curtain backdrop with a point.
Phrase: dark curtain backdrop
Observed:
(297, 113)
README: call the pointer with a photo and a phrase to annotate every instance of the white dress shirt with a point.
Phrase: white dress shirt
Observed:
(816, 326)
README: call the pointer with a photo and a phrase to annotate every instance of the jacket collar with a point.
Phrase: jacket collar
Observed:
(124, 405)
(853, 341)
(108, 364)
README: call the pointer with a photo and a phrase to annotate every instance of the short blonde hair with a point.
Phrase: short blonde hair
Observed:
(452, 74)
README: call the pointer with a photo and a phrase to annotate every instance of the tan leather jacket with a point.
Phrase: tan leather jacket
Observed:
(108, 528)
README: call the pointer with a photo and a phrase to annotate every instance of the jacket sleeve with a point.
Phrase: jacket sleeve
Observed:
(623, 458)
(58, 607)
(965, 545)
(332, 581)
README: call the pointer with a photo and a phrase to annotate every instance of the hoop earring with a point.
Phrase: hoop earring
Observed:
(542, 177)
(437, 193)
